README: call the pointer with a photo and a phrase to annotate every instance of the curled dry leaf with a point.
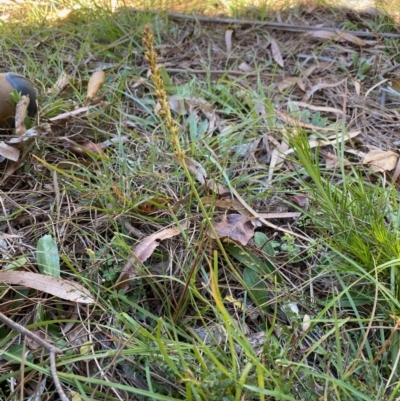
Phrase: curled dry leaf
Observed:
(306, 323)
(276, 53)
(332, 161)
(67, 114)
(300, 200)
(396, 84)
(278, 156)
(339, 37)
(243, 66)
(280, 215)
(217, 188)
(86, 148)
(235, 227)
(228, 40)
(196, 169)
(81, 111)
(62, 81)
(396, 172)
(226, 204)
(34, 132)
(102, 65)
(142, 252)
(96, 81)
(52, 285)
(177, 104)
(322, 85)
(9, 152)
(287, 82)
(318, 108)
(20, 114)
(331, 140)
(357, 86)
(153, 205)
(381, 160)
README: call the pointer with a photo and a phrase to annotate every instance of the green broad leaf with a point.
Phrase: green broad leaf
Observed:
(262, 242)
(260, 239)
(17, 351)
(15, 264)
(47, 256)
(257, 290)
(165, 77)
(253, 262)
(353, 299)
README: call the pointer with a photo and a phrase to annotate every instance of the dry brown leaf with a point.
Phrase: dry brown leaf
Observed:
(12, 167)
(396, 172)
(102, 65)
(177, 104)
(322, 85)
(284, 117)
(348, 37)
(206, 107)
(276, 53)
(396, 84)
(235, 227)
(323, 34)
(59, 287)
(245, 67)
(281, 215)
(67, 114)
(142, 252)
(153, 205)
(264, 221)
(196, 169)
(96, 81)
(62, 81)
(228, 40)
(34, 132)
(146, 247)
(86, 148)
(357, 87)
(332, 161)
(331, 140)
(20, 114)
(78, 112)
(318, 108)
(300, 200)
(322, 65)
(217, 188)
(302, 86)
(227, 203)
(73, 166)
(339, 37)
(381, 160)
(287, 82)
(278, 156)
(140, 81)
(9, 152)
(301, 82)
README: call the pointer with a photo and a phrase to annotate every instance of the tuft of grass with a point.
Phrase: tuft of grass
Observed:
(279, 319)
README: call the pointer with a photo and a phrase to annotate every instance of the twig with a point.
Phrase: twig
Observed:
(267, 223)
(280, 26)
(53, 351)
(56, 380)
(221, 72)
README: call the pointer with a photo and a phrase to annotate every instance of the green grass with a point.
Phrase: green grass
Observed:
(202, 319)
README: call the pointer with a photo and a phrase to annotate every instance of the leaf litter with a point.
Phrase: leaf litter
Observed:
(315, 66)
